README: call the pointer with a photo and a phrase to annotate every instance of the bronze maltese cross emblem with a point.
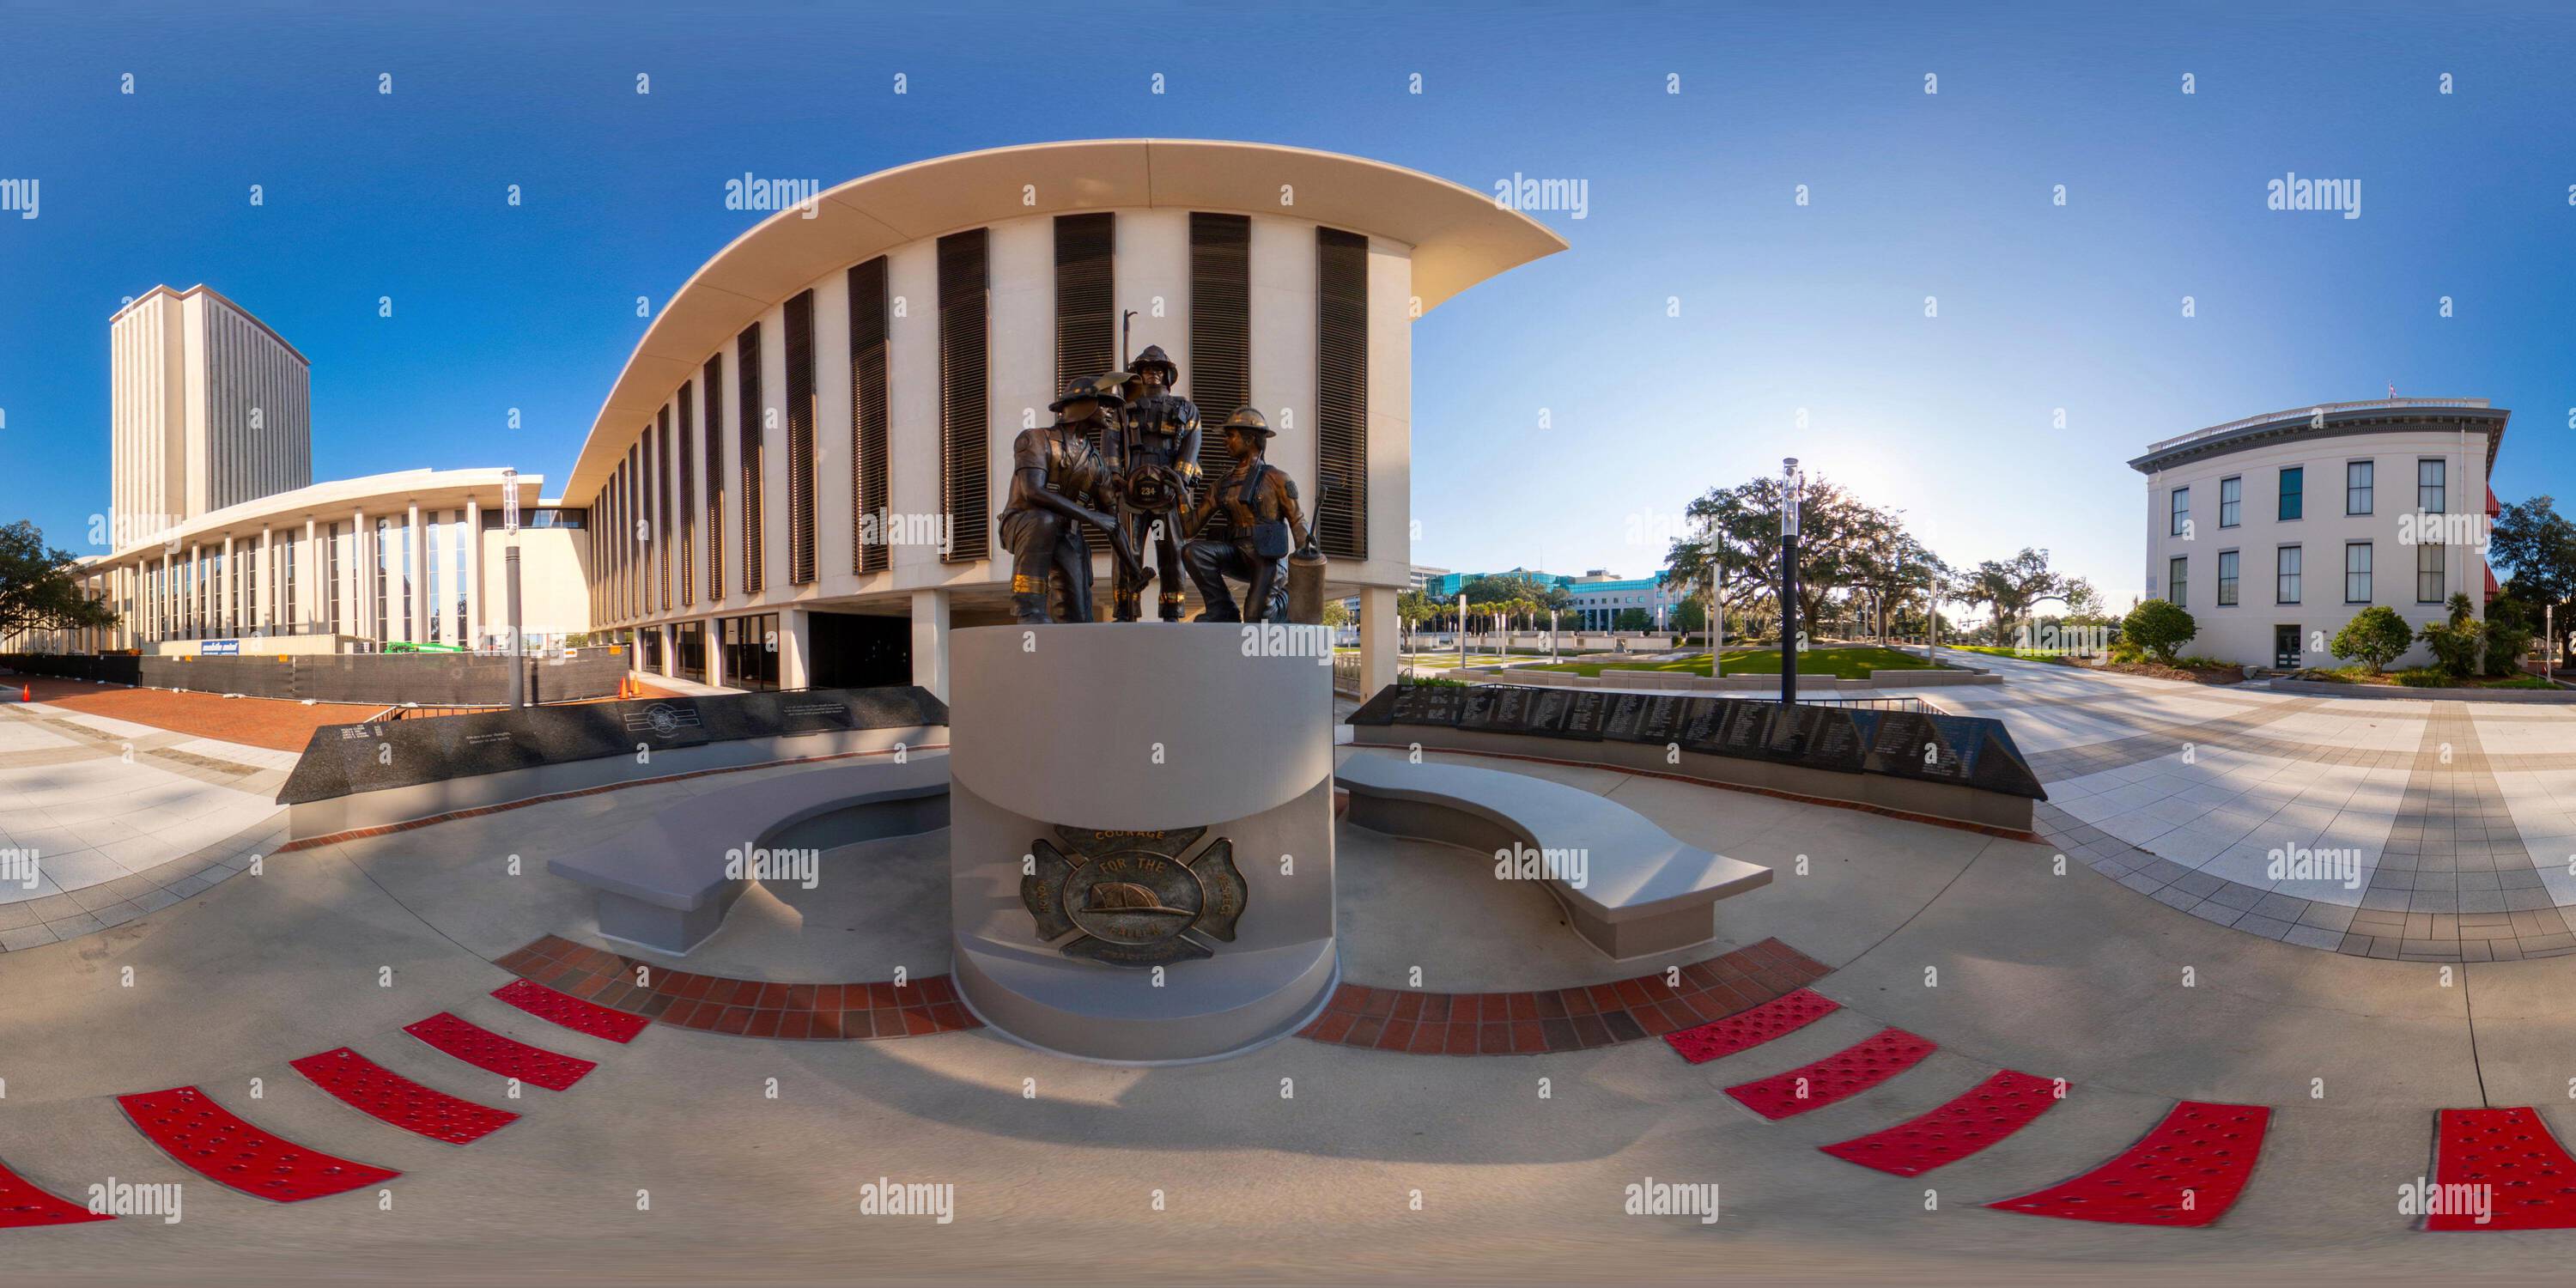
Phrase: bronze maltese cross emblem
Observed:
(1131, 896)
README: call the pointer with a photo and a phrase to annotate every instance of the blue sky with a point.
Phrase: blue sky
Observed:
(1562, 417)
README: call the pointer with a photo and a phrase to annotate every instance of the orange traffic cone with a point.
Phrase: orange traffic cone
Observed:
(26, 693)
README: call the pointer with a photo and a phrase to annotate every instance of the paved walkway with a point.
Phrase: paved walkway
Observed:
(2431, 831)
(103, 820)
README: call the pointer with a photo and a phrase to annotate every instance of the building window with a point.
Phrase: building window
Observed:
(2231, 496)
(870, 408)
(331, 574)
(2285, 568)
(711, 380)
(1086, 317)
(688, 513)
(384, 534)
(2226, 577)
(799, 315)
(1342, 388)
(2430, 487)
(2356, 486)
(2176, 578)
(2180, 516)
(2293, 489)
(965, 374)
(749, 453)
(2356, 572)
(2428, 572)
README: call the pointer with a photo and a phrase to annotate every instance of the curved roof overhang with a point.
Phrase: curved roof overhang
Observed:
(1459, 237)
(2332, 420)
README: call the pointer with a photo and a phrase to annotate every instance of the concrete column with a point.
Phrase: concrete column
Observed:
(1377, 639)
(715, 652)
(267, 581)
(415, 541)
(356, 620)
(196, 589)
(930, 641)
(670, 648)
(795, 647)
(228, 595)
(307, 573)
(473, 573)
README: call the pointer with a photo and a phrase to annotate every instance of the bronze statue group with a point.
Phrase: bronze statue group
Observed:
(1143, 484)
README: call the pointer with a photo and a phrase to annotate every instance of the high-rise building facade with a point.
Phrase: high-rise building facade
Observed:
(209, 408)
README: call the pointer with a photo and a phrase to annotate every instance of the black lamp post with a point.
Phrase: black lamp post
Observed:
(1789, 497)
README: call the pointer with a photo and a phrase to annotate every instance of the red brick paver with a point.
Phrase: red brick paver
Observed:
(1562, 1019)
(743, 1007)
(274, 723)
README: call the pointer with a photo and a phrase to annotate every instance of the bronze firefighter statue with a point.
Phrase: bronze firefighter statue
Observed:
(1260, 503)
(1156, 461)
(1060, 486)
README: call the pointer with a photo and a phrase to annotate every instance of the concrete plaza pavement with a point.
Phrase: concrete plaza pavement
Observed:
(1299, 1161)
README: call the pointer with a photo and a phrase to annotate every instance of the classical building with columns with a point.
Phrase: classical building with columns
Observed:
(221, 543)
(797, 477)
(349, 566)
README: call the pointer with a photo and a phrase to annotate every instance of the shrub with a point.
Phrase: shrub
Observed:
(2455, 642)
(2127, 653)
(2376, 636)
(2159, 627)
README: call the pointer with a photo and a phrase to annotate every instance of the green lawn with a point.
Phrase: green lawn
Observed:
(1853, 663)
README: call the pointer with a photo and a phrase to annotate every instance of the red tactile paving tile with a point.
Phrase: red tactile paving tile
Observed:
(1562, 1019)
(637, 990)
(22, 1204)
(1748, 1029)
(380, 1093)
(1840, 1076)
(493, 1053)
(570, 1011)
(1990, 1111)
(2187, 1172)
(210, 1140)
(2513, 1151)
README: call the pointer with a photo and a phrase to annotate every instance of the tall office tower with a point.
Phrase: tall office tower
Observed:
(210, 408)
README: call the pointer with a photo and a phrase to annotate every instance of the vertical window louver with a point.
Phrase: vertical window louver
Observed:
(714, 385)
(800, 439)
(687, 514)
(637, 532)
(964, 416)
(1086, 310)
(746, 378)
(1341, 391)
(1220, 374)
(871, 528)
(661, 450)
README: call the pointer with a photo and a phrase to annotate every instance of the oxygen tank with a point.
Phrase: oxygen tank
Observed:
(1306, 587)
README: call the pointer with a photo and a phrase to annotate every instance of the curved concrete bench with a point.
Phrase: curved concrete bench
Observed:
(1643, 892)
(669, 883)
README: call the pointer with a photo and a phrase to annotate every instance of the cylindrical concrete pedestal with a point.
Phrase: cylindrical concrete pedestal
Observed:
(1141, 835)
